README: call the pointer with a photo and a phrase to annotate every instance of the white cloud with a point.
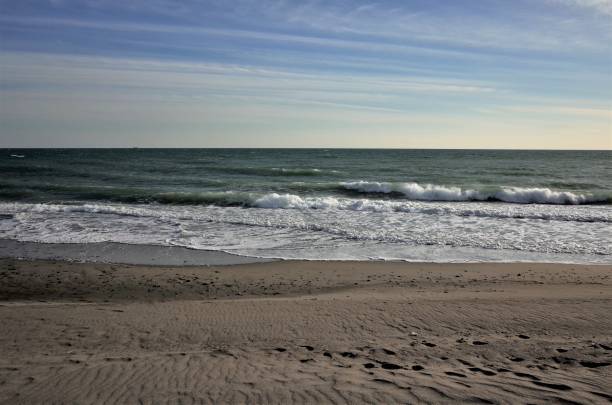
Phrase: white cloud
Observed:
(373, 46)
(600, 6)
(81, 73)
(374, 27)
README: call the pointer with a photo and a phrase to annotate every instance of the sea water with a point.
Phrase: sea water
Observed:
(417, 205)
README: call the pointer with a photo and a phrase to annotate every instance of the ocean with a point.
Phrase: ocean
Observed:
(320, 204)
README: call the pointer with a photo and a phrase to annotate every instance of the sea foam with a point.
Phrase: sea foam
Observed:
(432, 192)
(304, 227)
(274, 201)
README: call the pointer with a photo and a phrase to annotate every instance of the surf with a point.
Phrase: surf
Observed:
(517, 195)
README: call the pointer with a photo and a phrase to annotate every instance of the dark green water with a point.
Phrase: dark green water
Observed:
(205, 176)
(423, 205)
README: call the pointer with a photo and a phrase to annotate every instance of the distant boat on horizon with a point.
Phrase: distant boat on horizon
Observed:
(17, 156)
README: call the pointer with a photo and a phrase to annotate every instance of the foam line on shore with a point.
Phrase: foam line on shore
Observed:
(112, 252)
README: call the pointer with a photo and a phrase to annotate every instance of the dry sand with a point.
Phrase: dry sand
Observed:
(305, 332)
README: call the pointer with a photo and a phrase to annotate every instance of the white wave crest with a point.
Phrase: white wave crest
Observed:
(559, 212)
(414, 191)
(542, 196)
(275, 200)
(389, 224)
(432, 192)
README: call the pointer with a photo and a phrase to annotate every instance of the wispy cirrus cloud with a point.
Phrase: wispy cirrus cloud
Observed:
(443, 26)
(449, 23)
(435, 68)
(78, 72)
(250, 35)
(600, 6)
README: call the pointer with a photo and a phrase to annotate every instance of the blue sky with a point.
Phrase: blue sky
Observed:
(279, 73)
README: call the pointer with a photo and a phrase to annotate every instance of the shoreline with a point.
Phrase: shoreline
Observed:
(122, 253)
(162, 255)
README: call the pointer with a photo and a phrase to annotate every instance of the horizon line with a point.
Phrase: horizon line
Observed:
(303, 148)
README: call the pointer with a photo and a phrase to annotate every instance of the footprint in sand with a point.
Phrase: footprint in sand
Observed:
(383, 381)
(525, 375)
(560, 387)
(480, 370)
(390, 366)
(594, 364)
(454, 374)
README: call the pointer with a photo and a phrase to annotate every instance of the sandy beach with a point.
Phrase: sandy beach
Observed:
(305, 332)
(284, 202)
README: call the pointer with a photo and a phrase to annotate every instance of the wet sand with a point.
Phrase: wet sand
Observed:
(126, 253)
(305, 332)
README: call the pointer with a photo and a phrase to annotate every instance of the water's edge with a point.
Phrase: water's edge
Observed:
(177, 256)
(122, 253)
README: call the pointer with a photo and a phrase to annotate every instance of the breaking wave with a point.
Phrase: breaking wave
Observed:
(295, 202)
(518, 195)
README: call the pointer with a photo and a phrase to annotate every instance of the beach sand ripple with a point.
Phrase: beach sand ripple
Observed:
(305, 332)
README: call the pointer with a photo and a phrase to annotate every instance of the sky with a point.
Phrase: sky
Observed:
(280, 73)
